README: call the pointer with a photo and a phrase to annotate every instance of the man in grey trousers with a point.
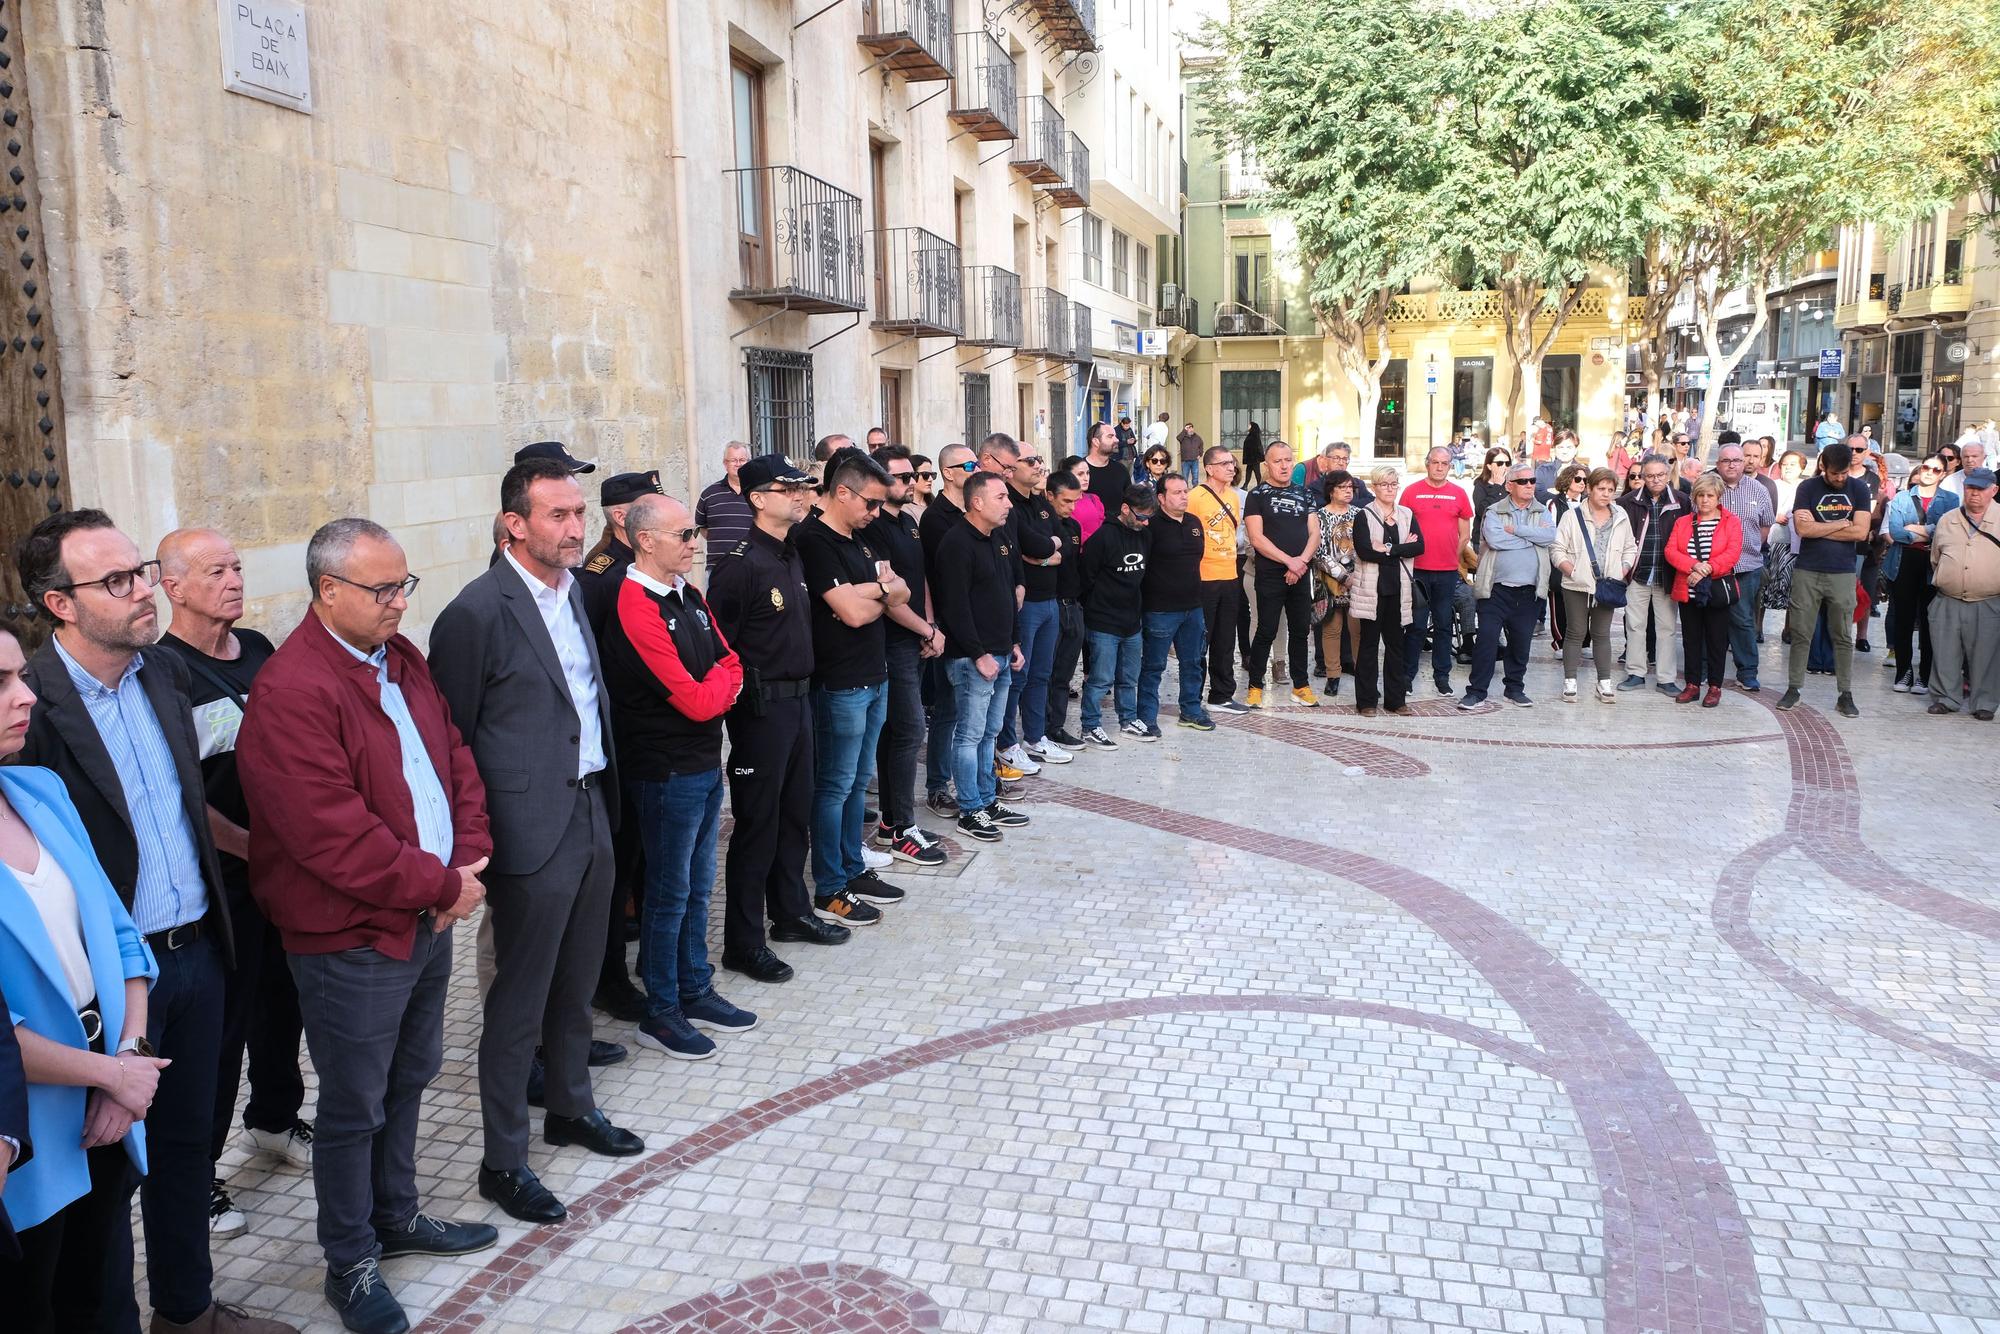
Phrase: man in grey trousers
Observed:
(513, 656)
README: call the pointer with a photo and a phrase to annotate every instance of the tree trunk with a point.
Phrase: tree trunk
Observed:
(1720, 368)
(1349, 330)
(1520, 302)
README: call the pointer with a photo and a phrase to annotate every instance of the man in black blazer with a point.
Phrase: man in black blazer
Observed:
(114, 722)
(515, 659)
(15, 1147)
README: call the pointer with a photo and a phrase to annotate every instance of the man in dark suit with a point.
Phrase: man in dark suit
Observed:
(15, 1147)
(114, 722)
(515, 660)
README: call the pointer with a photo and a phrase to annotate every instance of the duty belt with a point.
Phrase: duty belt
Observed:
(785, 689)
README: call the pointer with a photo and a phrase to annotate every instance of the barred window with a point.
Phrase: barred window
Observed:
(978, 408)
(781, 403)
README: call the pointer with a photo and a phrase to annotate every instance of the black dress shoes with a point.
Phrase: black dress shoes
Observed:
(762, 966)
(521, 1194)
(435, 1236)
(593, 1132)
(809, 931)
(605, 1053)
(626, 1003)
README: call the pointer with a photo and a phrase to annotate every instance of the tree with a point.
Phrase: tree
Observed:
(1523, 140)
(1814, 113)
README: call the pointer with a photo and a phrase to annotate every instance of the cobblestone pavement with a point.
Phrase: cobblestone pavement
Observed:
(1632, 1017)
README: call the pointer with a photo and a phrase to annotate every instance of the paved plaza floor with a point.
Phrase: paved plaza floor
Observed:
(1635, 1017)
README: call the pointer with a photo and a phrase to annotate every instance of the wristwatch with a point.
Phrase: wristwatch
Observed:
(136, 1046)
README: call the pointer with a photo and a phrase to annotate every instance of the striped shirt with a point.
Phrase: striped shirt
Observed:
(170, 890)
(433, 808)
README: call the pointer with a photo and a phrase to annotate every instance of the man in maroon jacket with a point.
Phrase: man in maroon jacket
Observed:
(367, 835)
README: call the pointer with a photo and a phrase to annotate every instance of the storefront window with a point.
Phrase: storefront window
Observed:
(1560, 376)
(1391, 414)
(1471, 393)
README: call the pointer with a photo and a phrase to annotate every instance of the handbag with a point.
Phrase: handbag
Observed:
(1609, 592)
(1778, 562)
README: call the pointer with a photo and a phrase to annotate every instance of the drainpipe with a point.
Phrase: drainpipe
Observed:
(683, 248)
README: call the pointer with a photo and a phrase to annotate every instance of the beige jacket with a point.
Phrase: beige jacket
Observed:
(1964, 564)
(1620, 555)
(1362, 588)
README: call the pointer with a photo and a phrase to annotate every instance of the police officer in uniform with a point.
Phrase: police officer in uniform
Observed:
(760, 601)
(603, 571)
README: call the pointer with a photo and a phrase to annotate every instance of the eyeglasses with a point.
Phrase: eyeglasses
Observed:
(1930, 467)
(384, 594)
(119, 582)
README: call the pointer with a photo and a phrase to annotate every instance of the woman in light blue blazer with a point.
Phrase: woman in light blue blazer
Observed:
(75, 971)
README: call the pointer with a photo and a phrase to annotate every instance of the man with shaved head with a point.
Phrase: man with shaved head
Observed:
(203, 579)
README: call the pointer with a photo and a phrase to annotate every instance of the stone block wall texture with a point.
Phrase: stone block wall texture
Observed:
(272, 319)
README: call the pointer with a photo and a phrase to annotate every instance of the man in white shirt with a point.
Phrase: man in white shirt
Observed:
(1971, 454)
(1156, 434)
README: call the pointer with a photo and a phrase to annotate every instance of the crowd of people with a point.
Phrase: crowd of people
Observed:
(213, 847)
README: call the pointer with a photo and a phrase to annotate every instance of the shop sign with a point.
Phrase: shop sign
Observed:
(1829, 363)
(1760, 412)
(1152, 342)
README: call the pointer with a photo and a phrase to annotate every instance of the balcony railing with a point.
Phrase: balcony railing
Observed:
(992, 307)
(1243, 181)
(1082, 338)
(918, 287)
(983, 101)
(1071, 24)
(1046, 330)
(1179, 314)
(1073, 191)
(1041, 154)
(798, 241)
(1259, 319)
(912, 37)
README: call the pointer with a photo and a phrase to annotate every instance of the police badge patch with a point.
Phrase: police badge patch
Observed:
(778, 599)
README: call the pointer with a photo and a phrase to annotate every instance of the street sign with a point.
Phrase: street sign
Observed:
(1829, 363)
(1152, 342)
(1430, 382)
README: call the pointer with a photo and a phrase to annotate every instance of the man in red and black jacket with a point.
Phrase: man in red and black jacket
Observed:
(672, 677)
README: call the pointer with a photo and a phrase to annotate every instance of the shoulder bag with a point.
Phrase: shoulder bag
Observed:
(1609, 592)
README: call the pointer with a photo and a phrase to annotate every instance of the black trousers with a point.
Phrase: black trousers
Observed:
(628, 890)
(1510, 611)
(260, 1013)
(1909, 612)
(184, 1024)
(75, 1270)
(1295, 599)
(770, 796)
(1705, 636)
(1069, 647)
(1219, 602)
(1378, 662)
(902, 739)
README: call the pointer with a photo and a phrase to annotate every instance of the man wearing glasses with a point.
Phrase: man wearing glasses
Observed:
(367, 836)
(1023, 742)
(115, 723)
(1746, 498)
(1517, 534)
(910, 640)
(852, 586)
(1649, 598)
(955, 463)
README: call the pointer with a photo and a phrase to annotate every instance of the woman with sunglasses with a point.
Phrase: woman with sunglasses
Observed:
(1154, 466)
(1568, 494)
(920, 489)
(1490, 485)
(1948, 455)
(1911, 519)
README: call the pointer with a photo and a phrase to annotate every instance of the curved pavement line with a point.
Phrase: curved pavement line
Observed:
(1527, 744)
(1730, 913)
(1376, 761)
(481, 1296)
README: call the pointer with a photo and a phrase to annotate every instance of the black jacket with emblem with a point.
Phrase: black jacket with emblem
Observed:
(671, 677)
(1114, 578)
(600, 576)
(972, 592)
(760, 600)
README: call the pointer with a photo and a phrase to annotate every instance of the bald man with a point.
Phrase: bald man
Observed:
(202, 578)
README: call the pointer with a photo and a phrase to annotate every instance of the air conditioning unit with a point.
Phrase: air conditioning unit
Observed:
(1231, 322)
(1170, 294)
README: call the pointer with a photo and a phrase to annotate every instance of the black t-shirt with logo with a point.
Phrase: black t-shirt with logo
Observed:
(895, 537)
(1829, 504)
(1287, 513)
(844, 656)
(218, 717)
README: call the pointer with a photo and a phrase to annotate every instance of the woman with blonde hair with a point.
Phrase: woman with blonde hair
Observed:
(1703, 548)
(1333, 567)
(1386, 541)
(1594, 555)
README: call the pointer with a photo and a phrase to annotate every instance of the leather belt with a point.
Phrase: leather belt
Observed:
(786, 689)
(92, 1020)
(176, 937)
(590, 780)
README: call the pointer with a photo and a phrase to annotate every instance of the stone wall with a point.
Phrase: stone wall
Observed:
(270, 319)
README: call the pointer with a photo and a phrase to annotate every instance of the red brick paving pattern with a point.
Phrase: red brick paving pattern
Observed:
(811, 1299)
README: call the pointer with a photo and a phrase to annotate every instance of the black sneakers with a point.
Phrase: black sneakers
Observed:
(979, 825)
(847, 910)
(872, 888)
(1005, 818)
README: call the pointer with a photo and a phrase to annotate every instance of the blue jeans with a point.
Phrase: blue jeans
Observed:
(1743, 617)
(678, 822)
(982, 705)
(1192, 471)
(1186, 634)
(1036, 630)
(1439, 587)
(1109, 654)
(846, 725)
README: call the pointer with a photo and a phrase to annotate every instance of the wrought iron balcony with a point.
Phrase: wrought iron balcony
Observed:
(918, 288)
(798, 241)
(1071, 24)
(1041, 154)
(983, 101)
(1047, 330)
(1073, 191)
(912, 37)
(992, 307)
(1082, 339)
(1261, 319)
(1179, 313)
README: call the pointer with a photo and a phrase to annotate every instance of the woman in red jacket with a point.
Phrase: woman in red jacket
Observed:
(1703, 548)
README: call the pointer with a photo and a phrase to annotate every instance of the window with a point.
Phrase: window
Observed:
(1121, 262)
(1142, 290)
(1250, 272)
(978, 407)
(746, 88)
(1093, 249)
(781, 403)
(1249, 396)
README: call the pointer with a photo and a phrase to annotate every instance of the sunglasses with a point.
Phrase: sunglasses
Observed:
(969, 466)
(683, 534)
(927, 475)
(901, 476)
(1032, 460)
(1520, 481)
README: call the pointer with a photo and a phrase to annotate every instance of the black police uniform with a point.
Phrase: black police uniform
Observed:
(760, 601)
(600, 576)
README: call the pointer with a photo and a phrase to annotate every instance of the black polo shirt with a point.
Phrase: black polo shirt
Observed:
(974, 591)
(601, 577)
(760, 600)
(940, 517)
(844, 656)
(895, 536)
(1173, 563)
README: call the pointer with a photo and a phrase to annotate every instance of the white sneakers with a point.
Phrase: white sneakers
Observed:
(292, 1147)
(874, 860)
(1016, 757)
(1048, 752)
